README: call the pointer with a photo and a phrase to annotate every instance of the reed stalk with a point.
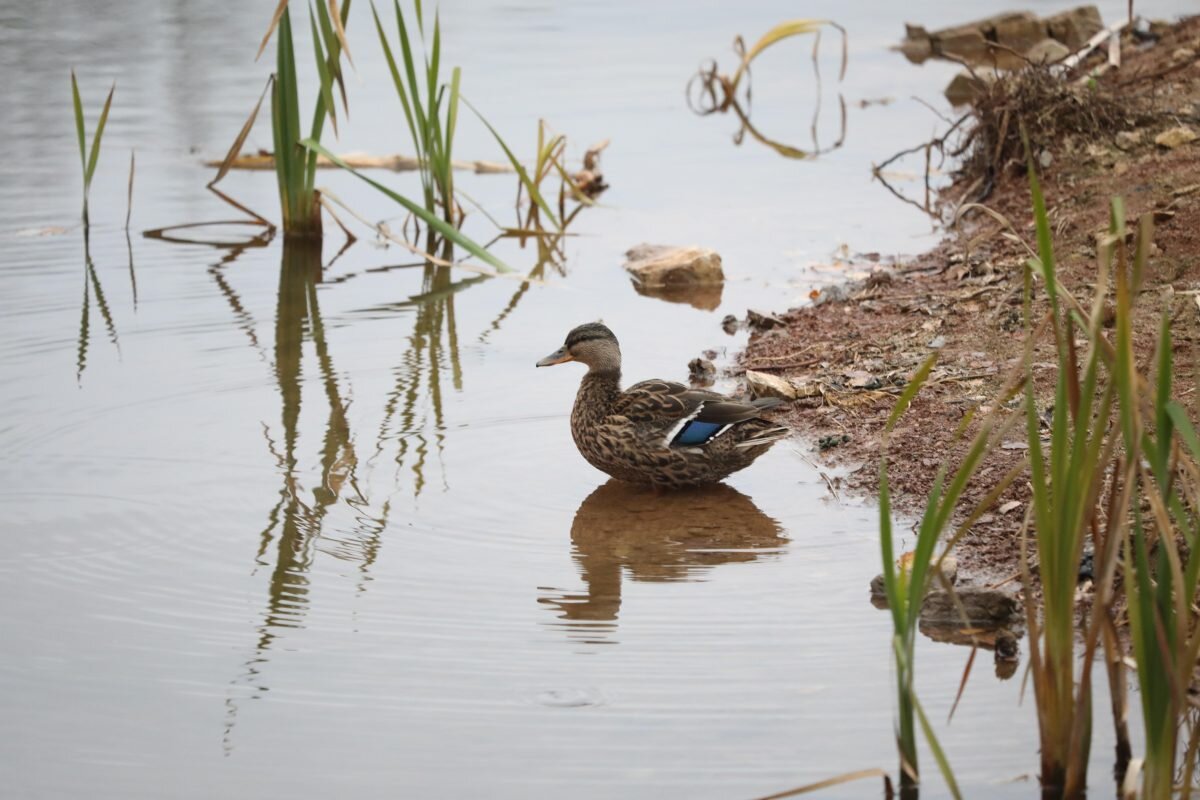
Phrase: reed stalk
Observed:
(88, 160)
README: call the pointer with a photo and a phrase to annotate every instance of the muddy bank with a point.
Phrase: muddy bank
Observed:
(848, 354)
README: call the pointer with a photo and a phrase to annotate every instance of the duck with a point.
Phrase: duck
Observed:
(657, 432)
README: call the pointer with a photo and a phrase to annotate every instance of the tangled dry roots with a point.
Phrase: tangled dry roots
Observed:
(1051, 109)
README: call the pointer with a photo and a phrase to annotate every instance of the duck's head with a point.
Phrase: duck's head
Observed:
(593, 344)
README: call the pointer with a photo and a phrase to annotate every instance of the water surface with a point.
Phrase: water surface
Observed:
(283, 523)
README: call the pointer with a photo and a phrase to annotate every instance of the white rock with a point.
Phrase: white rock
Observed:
(763, 385)
(663, 265)
(1175, 137)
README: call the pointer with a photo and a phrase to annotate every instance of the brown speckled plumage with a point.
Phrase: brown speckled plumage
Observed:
(629, 434)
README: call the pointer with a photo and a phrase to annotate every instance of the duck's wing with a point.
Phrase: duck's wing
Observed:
(686, 415)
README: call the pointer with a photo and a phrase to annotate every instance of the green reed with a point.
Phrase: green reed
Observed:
(430, 107)
(88, 160)
(1118, 444)
(296, 166)
(431, 112)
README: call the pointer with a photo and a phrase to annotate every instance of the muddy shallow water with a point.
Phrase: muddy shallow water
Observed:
(274, 525)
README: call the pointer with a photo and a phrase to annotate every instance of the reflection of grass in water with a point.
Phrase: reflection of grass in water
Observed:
(433, 347)
(91, 283)
(711, 92)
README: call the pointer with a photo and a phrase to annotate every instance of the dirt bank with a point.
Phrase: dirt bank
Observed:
(849, 353)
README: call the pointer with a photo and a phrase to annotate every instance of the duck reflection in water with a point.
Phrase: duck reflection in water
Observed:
(629, 532)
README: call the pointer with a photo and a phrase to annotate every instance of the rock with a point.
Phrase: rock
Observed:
(762, 321)
(1183, 54)
(659, 266)
(966, 42)
(949, 570)
(1127, 140)
(833, 293)
(966, 85)
(1019, 31)
(1175, 137)
(917, 46)
(984, 607)
(1073, 28)
(730, 324)
(1047, 51)
(763, 385)
(701, 371)
(1006, 647)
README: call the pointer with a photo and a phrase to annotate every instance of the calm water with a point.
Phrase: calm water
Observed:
(275, 526)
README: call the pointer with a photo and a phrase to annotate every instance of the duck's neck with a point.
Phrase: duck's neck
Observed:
(597, 392)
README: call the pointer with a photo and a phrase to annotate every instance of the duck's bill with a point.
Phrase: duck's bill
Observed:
(559, 356)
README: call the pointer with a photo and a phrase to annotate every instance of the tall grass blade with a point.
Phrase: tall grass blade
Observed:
(99, 134)
(910, 391)
(529, 185)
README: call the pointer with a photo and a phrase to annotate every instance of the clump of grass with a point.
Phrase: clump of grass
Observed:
(296, 167)
(88, 161)
(430, 108)
(1116, 437)
(1161, 590)
(906, 588)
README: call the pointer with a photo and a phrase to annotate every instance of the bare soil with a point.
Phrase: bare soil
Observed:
(852, 351)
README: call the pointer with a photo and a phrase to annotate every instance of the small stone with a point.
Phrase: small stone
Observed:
(1175, 137)
(1183, 54)
(917, 46)
(655, 266)
(1127, 140)
(760, 321)
(730, 324)
(1073, 28)
(1019, 31)
(1047, 51)
(937, 343)
(702, 371)
(763, 385)
(966, 86)
(1045, 158)
(1007, 648)
(967, 43)
(861, 379)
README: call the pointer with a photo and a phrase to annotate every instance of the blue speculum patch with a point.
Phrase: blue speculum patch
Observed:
(695, 433)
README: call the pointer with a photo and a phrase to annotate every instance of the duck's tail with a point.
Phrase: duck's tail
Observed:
(766, 436)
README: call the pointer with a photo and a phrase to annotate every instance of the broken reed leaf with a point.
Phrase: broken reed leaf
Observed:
(443, 228)
(784, 30)
(837, 780)
(279, 9)
(240, 140)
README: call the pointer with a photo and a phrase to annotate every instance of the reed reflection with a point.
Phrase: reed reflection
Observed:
(91, 286)
(414, 406)
(624, 532)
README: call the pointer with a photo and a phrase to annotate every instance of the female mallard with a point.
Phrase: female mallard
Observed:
(656, 431)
